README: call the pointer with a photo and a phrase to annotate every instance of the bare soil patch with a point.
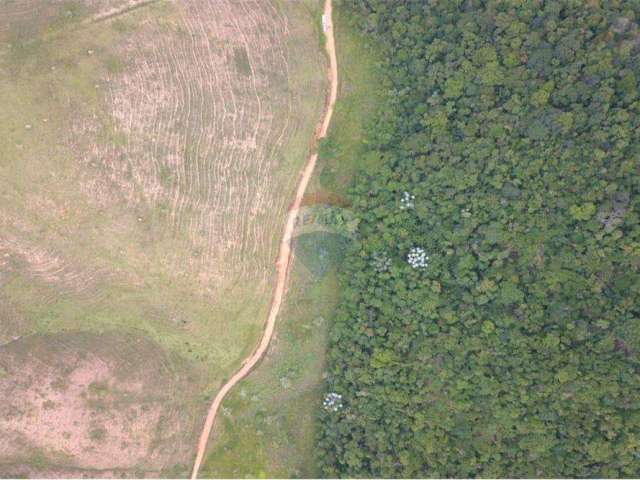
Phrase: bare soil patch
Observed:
(93, 402)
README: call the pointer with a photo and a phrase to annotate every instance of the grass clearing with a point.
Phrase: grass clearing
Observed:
(342, 152)
(145, 172)
(267, 425)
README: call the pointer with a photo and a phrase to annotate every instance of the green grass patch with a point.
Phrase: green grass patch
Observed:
(267, 425)
(320, 251)
(342, 152)
(241, 60)
(98, 388)
(98, 435)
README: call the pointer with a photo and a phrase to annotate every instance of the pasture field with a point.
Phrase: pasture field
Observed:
(268, 423)
(148, 152)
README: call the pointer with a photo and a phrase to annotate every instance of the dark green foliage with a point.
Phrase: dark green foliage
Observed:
(515, 352)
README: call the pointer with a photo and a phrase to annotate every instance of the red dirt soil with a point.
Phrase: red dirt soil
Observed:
(93, 403)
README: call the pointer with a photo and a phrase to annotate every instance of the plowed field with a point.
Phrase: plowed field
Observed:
(148, 152)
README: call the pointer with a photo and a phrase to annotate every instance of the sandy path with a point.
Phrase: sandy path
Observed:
(284, 255)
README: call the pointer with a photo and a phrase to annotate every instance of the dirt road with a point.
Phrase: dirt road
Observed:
(284, 254)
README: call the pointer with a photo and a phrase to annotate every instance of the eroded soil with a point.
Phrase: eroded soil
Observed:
(94, 402)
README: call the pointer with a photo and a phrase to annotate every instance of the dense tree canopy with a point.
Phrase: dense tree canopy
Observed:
(513, 127)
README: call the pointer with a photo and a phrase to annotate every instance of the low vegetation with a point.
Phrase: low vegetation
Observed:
(149, 152)
(488, 324)
(269, 421)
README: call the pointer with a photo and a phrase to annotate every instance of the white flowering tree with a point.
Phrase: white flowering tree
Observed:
(332, 402)
(407, 201)
(418, 258)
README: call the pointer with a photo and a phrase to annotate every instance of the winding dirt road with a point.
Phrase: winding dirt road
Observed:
(284, 254)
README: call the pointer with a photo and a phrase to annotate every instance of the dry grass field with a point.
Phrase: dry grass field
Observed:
(148, 152)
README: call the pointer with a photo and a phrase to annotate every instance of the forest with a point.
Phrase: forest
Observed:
(489, 318)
